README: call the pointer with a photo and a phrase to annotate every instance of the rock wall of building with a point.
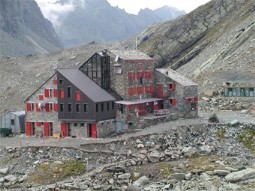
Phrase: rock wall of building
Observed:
(42, 115)
(105, 128)
(181, 106)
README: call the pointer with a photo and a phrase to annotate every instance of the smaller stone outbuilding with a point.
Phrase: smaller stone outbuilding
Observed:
(14, 121)
(239, 89)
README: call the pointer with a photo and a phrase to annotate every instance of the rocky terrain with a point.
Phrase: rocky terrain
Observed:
(24, 30)
(193, 157)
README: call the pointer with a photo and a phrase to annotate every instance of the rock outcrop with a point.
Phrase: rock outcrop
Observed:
(24, 30)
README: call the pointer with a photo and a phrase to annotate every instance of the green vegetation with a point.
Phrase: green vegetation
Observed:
(50, 172)
(5, 132)
(247, 137)
(165, 169)
(205, 163)
(221, 134)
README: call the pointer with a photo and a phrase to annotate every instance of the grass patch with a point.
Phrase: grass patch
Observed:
(247, 138)
(205, 163)
(221, 134)
(166, 169)
(50, 172)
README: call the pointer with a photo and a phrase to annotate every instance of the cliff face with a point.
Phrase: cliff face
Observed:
(24, 30)
(212, 44)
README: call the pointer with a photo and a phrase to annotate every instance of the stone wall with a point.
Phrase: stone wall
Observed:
(105, 128)
(182, 107)
(42, 115)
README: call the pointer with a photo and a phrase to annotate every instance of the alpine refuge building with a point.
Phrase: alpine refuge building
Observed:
(112, 91)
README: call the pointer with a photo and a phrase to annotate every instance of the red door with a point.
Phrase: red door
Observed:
(46, 129)
(28, 129)
(63, 129)
(93, 130)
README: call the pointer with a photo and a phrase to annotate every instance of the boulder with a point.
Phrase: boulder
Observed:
(10, 178)
(4, 171)
(213, 119)
(178, 176)
(154, 156)
(221, 172)
(234, 122)
(141, 181)
(206, 149)
(189, 151)
(241, 175)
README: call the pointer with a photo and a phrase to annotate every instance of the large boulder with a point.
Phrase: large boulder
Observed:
(141, 181)
(154, 156)
(241, 175)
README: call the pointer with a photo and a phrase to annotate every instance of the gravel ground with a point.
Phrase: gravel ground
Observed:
(22, 140)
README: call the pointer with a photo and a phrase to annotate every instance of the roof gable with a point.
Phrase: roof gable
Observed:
(86, 85)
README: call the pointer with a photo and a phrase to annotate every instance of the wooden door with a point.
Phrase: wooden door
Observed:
(63, 129)
(46, 129)
(93, 130)
(28, 128)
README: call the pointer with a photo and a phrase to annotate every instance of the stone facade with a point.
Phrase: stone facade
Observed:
(179, 93)
(36, 114)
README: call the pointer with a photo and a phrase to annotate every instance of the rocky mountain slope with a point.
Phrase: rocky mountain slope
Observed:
(24, 30)
(97, 20)
(211, 45)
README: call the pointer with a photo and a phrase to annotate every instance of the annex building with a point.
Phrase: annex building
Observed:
(111, 92)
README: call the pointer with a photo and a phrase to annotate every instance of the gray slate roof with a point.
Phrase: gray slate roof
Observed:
(130, 55)
(175, 76)
(86, 85)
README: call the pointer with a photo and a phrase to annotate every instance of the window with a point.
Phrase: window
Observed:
(193, 106)
(75, 124)
(12, 122)
(102, 106)
(78, 96)
(69, 92)
(69, 107)
(50, 106)
(85, 107)
(173, 102)
(96, 107)
(30, 106)
(61, 93)
(172, 86)
(60, 81)
(112, 105)
(40, 97)
(61, 107)
(78, 107)
(108, 106)
(140, 66)
(82, 124)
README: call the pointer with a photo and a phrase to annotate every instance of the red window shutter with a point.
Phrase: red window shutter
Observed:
(130, 106)
(136, 75)
(28, 128)
(142, 90)
(130, 91)
(40, 97)
(146, 75)
(173, 87)
(46, 93)
(28, 107)
(78, 96)
(63, 129)
(47, 107)
(130, 75)
(38, 124)
(55, 107)
(54, 81)
(173, 102)
(195, 99)
(134, 90)
(37, 107)
(138, 90)
(151, 89)
(55, 93)
(46, 129)
(160, 89)
(61, 93)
